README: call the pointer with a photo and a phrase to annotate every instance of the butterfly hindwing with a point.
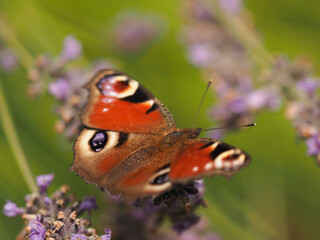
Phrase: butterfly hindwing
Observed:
(123, 163)
(119, 103)
(202, 157)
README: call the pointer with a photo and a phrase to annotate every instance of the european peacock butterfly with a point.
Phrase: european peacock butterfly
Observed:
(130, 144)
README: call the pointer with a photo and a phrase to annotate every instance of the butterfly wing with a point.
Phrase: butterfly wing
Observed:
(202, 157)
(123, 163)
(119, 103)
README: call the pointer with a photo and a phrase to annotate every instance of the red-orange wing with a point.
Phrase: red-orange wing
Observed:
(206, 157)
(119, 103)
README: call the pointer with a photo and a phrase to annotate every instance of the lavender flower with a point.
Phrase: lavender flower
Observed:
(78, 236)
(308, 85)
(313, 144)
(10, 209)
(71, 48)
(43, 181)
(88, 204)
(54, 217)
(133, 32)
(59, 88)
(231, 6)
(8, 61)
(37, 232)
(200, 54)
(106, 236)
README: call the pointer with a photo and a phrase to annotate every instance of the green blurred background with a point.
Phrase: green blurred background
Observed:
(276, 197)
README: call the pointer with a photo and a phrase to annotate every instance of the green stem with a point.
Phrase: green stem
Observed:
(13, 141)
(238, 26)
(8, 35)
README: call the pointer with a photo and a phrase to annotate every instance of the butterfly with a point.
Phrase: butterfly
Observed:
(130, 144)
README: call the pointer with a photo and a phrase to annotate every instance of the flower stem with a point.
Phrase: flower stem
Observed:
(12, 41)
(13, 141)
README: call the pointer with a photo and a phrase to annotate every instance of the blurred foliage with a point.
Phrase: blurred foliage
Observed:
(276, 197)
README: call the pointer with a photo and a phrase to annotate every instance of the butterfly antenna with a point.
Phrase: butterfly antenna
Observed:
(194, 119)
(230, 127)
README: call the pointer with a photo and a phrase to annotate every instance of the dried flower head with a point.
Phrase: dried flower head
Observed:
(55, 217)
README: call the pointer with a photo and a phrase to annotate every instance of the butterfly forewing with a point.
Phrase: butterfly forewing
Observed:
(119, 103)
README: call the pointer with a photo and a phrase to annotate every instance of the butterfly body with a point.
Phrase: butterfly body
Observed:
(130, 144)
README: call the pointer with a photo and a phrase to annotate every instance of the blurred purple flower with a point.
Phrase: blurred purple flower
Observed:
(43, 181)
(8, 61)
(59, 88)
(37, 232)
(71, 48)
(199, 54)
(238, 106)
(88, 204)
(10, 209)
(186, 223)
(135, 31)
(78, 236)
(231, 6)
(199, 184)
(308, 85)
(313, 145)
(263, 97)
(106, 236)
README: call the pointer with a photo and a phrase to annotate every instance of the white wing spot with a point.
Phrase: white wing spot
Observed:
(195, 169)
(208, 166)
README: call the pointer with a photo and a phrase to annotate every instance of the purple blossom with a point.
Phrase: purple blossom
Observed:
(106, 236)
(199, 184)
(78, 236)
(10, 209)
(60, 88)
(71, 48)
(7, 60)
(134, 32)
(308, 85)
(263, 97)
(186, 223)
(37, 232)
(231, 6)
(238, 106)
(43, 181)
(200, 54)
(313, 145)
(88, 204)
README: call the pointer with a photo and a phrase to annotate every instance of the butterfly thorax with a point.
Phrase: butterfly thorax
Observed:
(178, 136)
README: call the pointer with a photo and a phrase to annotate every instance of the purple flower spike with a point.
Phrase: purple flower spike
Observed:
(106, 236)
(88, 204)
(238, 106)
(8, 61)
(231, 6)
(200, 54)
(313, 145)
(78, 237)
(308, 85)
(71, 48)
(43, 181)
(37, 232)
(199, 184)
(59, 88)
(189, 221)
(10, 209)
